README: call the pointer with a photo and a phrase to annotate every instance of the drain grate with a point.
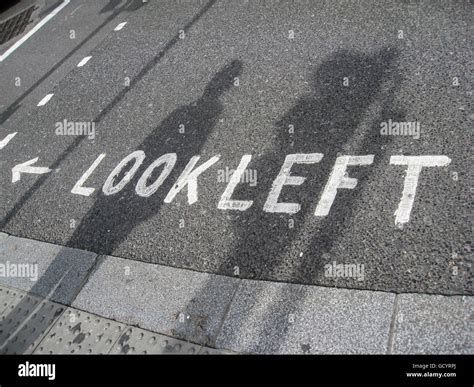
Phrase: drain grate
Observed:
(15, 25)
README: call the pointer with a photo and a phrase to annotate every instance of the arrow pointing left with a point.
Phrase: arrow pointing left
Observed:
(26, 167)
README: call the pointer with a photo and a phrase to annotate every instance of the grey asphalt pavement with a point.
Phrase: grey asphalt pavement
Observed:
(266, 79)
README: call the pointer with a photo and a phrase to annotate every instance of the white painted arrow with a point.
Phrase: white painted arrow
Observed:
(26, 167)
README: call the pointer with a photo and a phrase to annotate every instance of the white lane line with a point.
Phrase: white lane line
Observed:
(6, 140)
(83, 61)
(120, 26)
(34, 30)
(45, 100)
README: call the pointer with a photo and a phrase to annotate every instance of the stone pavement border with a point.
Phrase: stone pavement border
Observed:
(117, 305)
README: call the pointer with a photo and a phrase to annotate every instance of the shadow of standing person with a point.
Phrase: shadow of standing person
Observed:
(289, 247)
(325, 121)
(111, 218)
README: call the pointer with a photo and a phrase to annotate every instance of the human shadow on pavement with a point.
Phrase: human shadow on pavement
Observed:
(107, 109)
(111, 218)
(326, 121)
(292, 248)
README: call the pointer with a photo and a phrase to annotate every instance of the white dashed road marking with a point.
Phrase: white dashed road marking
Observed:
(83, 61)
(6, 140)
(120, 26)
(45, 100)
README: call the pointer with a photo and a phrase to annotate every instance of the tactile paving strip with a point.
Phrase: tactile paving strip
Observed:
(139, 341)
(25, 321)
(80, 332)
(7, 296)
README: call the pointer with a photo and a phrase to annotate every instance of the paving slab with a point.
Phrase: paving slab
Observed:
(79, 332)
(140, 341)
(432, 324)
(7, 296)
(176, 302)
(44, 269)
(24, 323)
(267, 317)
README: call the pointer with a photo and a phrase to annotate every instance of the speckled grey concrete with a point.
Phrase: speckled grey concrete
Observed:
(236, 315)
(60, 270)
(284, 318)
(434, 324)
(243, 316)
(175, 302)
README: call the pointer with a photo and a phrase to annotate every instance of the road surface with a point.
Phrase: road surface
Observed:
(329, 91)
